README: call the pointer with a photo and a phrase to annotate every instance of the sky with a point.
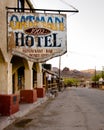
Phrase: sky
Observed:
(85, 33)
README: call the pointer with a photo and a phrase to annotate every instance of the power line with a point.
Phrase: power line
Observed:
(82, 54)
(63, 1)
(68, 4)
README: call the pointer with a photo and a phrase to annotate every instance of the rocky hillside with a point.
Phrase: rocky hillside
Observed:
(66, 72)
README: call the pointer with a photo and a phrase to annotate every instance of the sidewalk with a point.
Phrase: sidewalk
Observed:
(24, 109)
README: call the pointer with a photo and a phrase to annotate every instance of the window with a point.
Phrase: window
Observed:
(21, 5)
(21, 80)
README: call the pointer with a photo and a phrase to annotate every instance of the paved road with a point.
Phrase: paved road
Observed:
(72, 109)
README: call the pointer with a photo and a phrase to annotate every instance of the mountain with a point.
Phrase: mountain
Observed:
(91, 71)
(66, 72)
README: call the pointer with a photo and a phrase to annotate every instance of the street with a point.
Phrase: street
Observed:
(72, 109)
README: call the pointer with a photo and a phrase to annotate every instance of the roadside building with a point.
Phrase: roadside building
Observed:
(27, 40)
(18, 74)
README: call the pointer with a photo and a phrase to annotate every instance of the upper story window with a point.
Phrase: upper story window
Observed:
(21, 5)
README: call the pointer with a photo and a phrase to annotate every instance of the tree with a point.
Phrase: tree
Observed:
(96, 77)
(71, 82)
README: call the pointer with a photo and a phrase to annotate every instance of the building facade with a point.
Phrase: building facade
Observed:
(22, 77)
(17, 72)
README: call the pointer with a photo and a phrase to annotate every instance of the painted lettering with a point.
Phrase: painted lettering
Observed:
(28, 21)
(43, 41)
(44, 55)
(26, 50)
(34, 55)
(49, 51)
(19, 38)
(29, 41)
(48, 19)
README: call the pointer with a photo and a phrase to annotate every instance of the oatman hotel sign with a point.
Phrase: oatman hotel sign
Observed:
(37, 37)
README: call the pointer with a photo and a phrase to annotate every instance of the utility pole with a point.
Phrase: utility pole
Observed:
(95, 76)
(59, 72)
(102, 71)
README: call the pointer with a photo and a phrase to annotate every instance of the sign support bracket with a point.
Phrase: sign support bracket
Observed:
(44, 10)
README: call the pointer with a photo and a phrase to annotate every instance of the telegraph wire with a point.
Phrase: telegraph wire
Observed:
(66, 3)
(79, 53)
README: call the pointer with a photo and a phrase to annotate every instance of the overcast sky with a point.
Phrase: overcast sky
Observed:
(85, 33)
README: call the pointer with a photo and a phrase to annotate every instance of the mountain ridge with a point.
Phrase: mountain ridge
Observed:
(79, 74)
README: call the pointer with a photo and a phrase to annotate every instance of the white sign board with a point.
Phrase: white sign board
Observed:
(37, 37)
